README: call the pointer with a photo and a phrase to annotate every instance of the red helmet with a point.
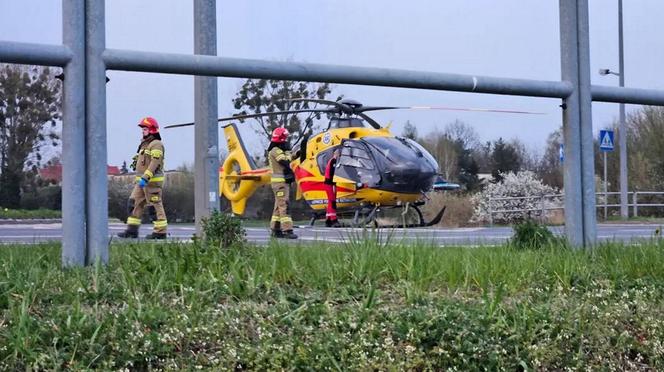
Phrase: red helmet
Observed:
(150, 123)
(279, 135)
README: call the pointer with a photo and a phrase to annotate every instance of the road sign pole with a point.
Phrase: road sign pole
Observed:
(606, 196)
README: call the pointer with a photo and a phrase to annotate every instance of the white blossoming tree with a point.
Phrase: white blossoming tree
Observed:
(523, 185)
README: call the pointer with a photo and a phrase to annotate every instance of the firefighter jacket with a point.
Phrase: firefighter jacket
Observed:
(279, 160)
(150, 161)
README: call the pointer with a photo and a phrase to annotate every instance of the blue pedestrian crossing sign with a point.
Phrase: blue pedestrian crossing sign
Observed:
(606, 140)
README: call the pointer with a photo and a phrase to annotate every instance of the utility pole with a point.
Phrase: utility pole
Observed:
(622, 130)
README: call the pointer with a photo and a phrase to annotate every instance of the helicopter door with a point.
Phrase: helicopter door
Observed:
(356, 163)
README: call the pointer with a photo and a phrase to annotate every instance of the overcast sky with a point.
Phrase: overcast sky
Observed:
(507, 38)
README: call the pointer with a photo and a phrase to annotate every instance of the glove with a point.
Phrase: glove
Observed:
(142, 182)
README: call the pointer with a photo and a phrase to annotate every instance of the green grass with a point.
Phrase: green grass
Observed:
(361, 306)
(21, 214)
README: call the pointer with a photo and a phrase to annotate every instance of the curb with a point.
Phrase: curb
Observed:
(29, 221)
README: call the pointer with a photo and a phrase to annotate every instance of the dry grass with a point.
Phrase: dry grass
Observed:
(459, 208)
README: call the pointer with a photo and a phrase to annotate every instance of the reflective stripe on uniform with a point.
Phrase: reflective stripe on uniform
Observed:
(160, 223)
(156, 154)
(148, 174)
(154, 198)
(277, 179)
(275, 218)
(153, 179)
(133, 221)
(285, 219)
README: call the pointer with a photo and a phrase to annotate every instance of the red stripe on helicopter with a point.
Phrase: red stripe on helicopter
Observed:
(301, 173)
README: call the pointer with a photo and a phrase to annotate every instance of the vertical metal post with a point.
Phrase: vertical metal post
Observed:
(206, 161)
(571, 124)
(586, 124)
(580, 214)
(636, 203)
(606, 195)
(490, 212)
(542, 216)
(73, 135)
(622, 126)
(96, 169)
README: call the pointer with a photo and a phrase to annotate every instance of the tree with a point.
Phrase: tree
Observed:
(443, 149)
(264, 96)
(467, 136)
(550, 168)
(30, 105)
(466, 141)
(504, 158)
(527, 190)
(409, 131)
(645, 147)
(468, 167)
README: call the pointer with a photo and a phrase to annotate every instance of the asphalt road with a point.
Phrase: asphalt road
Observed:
(32, 233)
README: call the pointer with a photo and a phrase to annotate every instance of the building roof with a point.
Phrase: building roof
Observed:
(54, 172)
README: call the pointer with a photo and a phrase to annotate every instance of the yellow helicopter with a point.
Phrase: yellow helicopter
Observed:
(377, 172)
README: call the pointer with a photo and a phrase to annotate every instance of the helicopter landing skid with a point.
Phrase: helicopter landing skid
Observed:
(422, 223)
(364, 217)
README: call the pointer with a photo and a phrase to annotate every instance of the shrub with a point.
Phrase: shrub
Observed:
(532, 235)
(48, 197)
(524, 185)
(223, 230)
(178, 196)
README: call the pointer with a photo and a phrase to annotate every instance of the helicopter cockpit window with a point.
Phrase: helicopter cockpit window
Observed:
(324, 157)
(355, 163)
(346, 122)
(355, 155)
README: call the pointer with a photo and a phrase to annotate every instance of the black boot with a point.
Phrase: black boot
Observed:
(288, 234)
(156, 235)
(130, 232)
(332, 223)
(276, 233)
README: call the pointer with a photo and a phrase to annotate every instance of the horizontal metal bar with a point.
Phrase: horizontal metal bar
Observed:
(528, 197)
(650, 192)
(128, 60)
(34, 54)
(603, 93)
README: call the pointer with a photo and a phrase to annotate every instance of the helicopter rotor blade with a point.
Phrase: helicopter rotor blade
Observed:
(247, 116)
(369, 120)
(376, 108)
(340, 106)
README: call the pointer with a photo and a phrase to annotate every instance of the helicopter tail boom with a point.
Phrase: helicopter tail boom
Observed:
(238, 176)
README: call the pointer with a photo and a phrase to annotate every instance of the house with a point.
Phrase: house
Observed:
(53, 173)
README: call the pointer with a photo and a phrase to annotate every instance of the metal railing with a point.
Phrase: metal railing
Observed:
(549, 202)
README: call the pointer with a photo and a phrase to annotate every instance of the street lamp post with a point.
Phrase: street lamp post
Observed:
(622, 130)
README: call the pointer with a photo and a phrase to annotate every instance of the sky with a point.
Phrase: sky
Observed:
(507, 38)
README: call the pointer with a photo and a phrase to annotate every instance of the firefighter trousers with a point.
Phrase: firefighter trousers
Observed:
(331, 209)
(280, 217)
(150, 195)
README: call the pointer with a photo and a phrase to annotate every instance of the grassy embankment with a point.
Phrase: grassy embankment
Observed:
(361, 306)
(28, 213)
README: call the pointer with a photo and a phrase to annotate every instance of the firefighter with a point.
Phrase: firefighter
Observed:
(149, 166)
(279, 157)
(331, 191)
